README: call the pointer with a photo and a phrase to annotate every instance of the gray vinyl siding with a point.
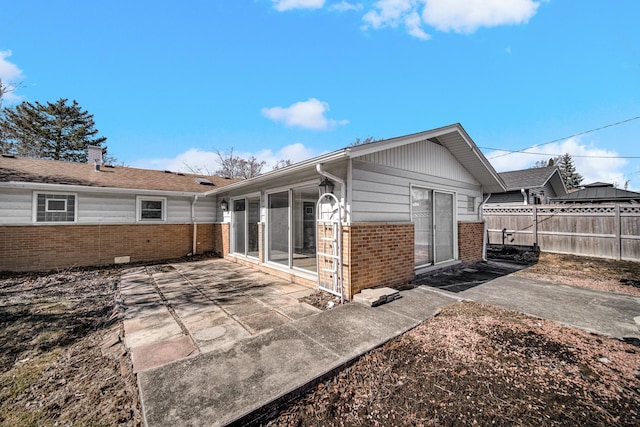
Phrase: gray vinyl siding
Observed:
(106, 208)
(549, 191)
(382, 193)
(423, 157)
(16, 208)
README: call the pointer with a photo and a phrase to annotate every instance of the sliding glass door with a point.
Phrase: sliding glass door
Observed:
(432, 213)
(291, 228)
(244, 233)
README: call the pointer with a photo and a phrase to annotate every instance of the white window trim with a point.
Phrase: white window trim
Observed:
(34, 204)
(139, 200)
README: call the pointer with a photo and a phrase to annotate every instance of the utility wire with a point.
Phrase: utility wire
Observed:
(562, 139)
(554, 155)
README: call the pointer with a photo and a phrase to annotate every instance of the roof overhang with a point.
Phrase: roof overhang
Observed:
(89, 189)
(455, 139)
(452, 137)
(278, 173)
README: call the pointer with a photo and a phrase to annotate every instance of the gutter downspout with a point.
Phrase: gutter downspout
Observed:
(524, 195)
(194, 245)
(484, 237)
(343, 186)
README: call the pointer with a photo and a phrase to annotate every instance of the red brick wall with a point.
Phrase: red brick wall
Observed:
(377, 254)
(220, 237)
(470, 241)
(35, 248)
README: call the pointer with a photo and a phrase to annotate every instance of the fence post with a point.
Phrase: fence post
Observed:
(535, 225)
(617, 225)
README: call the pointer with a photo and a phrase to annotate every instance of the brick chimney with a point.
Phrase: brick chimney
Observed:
(94, 156)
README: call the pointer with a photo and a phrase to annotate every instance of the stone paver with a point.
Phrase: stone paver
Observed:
(201, 307)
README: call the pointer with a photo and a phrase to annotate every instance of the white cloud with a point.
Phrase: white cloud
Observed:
(284, 5)
(309, 114)
(345, 6)
(597, 168)
(10, 75)
(461, 16)
(466, 16)
(392, 13)
(194, 159)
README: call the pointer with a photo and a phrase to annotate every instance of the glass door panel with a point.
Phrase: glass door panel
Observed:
(304, 228)
(278, 223)
(239, 225)
(253, 218)
(422, 218)
(443, 227)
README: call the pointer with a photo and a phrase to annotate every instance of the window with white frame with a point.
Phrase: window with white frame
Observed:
(151, 208)
(471, 204)
(54, 207)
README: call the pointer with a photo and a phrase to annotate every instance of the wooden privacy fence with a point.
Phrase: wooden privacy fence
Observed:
(605, 231)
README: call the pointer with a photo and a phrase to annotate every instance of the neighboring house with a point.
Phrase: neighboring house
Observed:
(56, 215)
(531, 186)
(599, 192)
(408, 204)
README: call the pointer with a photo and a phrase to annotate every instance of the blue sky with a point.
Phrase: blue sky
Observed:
(169, 83)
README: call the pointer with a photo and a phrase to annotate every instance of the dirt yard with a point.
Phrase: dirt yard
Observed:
(63, 363)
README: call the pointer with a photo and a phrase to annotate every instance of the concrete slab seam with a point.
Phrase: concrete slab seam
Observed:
(172, 311)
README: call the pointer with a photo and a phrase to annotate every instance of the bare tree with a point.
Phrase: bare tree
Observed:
(231, 165)
(359, 141)
(281, 164)
(546, 163)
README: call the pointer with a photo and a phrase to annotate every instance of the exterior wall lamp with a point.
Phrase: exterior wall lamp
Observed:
(326, 186)
(224, 205)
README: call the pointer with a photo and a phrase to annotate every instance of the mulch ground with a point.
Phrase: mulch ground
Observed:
(479, 365)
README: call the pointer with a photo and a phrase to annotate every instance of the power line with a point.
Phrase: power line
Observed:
(562, 139)
(555, 155)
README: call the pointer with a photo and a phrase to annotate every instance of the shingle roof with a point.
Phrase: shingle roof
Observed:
(599, 194)
(23, 169)
(527, 178)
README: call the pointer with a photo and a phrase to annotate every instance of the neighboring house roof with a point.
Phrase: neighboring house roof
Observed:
(14, 170)
(529, 178)
(599, 193)
(453, 137)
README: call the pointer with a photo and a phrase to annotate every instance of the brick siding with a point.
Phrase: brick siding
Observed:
(39, 248)
(220, 237)
(470, 241)
(377, 254)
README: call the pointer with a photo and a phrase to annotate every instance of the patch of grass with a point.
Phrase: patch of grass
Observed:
(17, 382)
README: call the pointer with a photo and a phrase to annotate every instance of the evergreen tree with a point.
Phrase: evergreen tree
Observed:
(571, 177)
(55, 131)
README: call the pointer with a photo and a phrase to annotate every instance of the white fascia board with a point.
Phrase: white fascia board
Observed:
(472, 145)
(306, 164)
(89, 189)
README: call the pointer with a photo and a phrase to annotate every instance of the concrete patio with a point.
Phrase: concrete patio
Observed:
(179, 310)
(213, 342)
